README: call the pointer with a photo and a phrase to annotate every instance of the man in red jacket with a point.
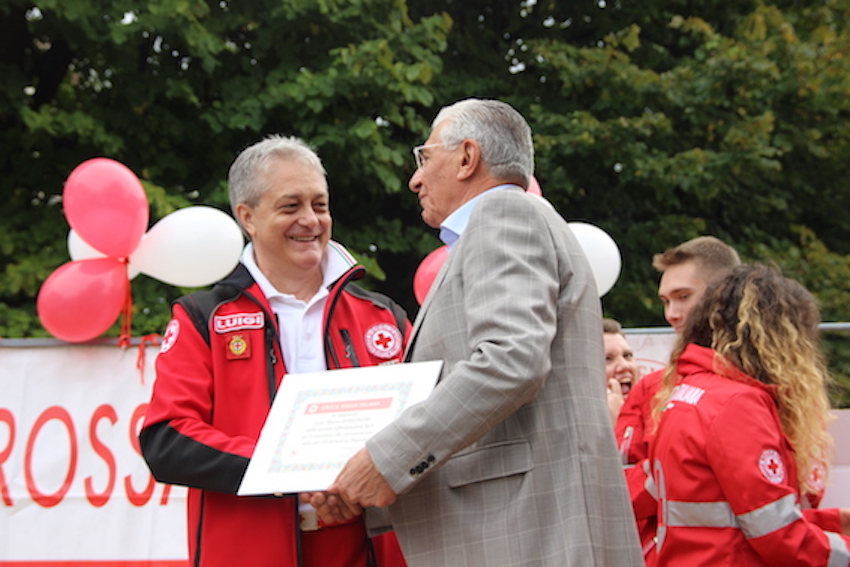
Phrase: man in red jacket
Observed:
(686, 271)
(291, 306)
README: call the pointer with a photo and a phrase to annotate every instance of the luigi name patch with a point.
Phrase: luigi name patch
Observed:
(237, 322)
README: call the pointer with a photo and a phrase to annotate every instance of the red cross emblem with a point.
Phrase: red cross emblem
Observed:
(383, 341)
(771, 466)
(170, 336)
(818, 476)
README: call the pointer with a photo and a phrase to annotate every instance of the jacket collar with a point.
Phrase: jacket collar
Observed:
(697, 358)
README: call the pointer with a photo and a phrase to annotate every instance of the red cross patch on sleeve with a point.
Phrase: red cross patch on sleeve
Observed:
(771, 466)
(170, 336)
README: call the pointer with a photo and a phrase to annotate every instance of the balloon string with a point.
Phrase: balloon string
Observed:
(154, 340)
(126, 319)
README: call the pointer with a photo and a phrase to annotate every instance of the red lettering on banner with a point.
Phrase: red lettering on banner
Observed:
(104, 411)
(138, 498)
(7, 418)
(62, 415)
(136, 423)
(108, 455)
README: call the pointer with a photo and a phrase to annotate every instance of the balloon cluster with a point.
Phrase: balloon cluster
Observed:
(107, 210)
(601, 251)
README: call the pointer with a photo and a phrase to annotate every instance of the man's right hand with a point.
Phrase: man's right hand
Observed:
(331, 508)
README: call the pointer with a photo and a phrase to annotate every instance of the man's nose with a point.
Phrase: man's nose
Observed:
(415, 182)
(672, 313)
(308, 217)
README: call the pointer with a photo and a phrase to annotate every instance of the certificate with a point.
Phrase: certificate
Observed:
(318, 420)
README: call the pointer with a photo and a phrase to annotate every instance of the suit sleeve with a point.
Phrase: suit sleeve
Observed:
(757, 474)
(509, 277)
(178, 440)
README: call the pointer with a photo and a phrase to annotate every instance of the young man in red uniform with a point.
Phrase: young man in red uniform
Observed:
(291, 306)
(686, 271)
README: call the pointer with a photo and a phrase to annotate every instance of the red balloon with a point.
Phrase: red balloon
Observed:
(534, 187)
(82, 298)
(106, 205)
(427, 271)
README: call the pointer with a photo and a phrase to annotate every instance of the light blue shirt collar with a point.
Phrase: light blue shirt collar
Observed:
(452, 228)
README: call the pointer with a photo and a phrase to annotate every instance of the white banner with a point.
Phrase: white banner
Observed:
(73, 484)
(652, 349)
(74, 487)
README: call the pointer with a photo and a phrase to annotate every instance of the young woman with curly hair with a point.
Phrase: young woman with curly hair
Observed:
(741, 448)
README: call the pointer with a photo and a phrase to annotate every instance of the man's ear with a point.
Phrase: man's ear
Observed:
(470, 159)
(245, 216)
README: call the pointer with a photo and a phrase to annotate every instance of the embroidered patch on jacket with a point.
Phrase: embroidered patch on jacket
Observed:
(238, 347)
(816, 479)
(237, 322)
(170, 336)
(770, 465)
(687, 394)
(383, 340)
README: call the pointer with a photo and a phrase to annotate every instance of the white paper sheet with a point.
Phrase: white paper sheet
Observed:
(320, 419)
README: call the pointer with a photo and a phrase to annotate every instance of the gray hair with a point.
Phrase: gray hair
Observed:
(245, 179)
(502, 133)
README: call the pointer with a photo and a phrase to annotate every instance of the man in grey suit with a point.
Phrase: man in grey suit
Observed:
(511, 460)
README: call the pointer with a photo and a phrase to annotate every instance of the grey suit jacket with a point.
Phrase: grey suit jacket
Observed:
(511, 460)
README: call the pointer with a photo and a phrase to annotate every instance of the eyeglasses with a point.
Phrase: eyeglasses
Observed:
(417, 154)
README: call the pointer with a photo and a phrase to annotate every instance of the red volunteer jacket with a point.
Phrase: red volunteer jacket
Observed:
(219, 367)
(634, 432)
(633, 429)
(723, 478)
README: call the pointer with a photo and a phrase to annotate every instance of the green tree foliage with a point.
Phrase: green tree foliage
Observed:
(691, 131)
(657, 121)
(662, 121)
(175, 88)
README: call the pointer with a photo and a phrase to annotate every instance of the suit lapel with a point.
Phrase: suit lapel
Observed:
(420, 316)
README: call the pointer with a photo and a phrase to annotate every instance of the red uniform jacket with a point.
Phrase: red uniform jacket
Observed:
(219, 367)
(634, 431)
(634, 422)
(724, 478)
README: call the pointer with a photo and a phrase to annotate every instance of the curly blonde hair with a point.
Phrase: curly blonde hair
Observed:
(766, 325)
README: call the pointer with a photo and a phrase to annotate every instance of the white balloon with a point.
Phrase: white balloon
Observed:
(602, 253)
(79, 249)
(191, 247)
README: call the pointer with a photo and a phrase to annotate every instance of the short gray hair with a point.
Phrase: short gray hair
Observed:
(502, 133)
(244, 181)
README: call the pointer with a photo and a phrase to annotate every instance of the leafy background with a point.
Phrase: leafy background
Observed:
(657, 121)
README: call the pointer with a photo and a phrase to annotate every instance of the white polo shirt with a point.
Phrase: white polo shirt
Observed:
(300, 322)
